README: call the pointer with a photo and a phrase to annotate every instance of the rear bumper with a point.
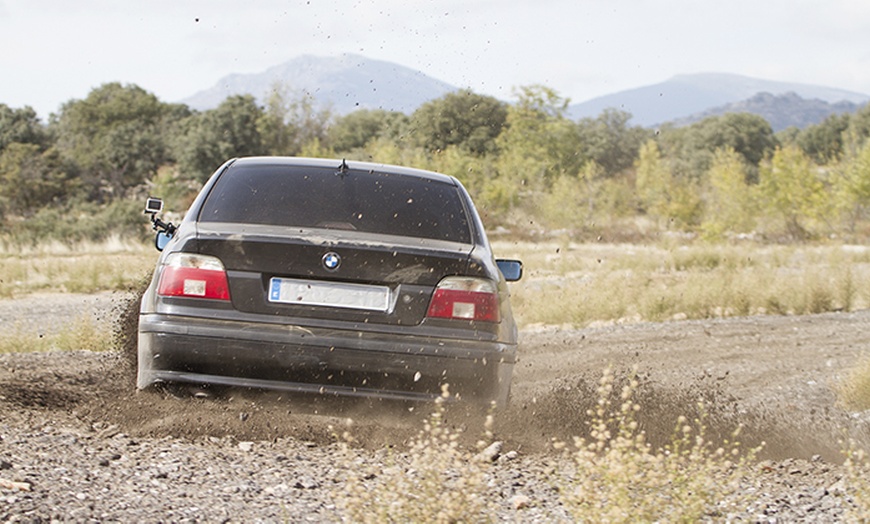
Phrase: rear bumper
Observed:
(320, 360)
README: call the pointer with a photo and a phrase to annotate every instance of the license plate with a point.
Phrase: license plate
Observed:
(329, 294)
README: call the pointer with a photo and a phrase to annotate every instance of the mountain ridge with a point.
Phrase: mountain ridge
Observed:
(345, 83)
(348, 82)
(780, 111)
(685, 95)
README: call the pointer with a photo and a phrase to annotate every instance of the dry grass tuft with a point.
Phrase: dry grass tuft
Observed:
(619, 477)
(857, 484)
(854, 390)
(436, 480)
(615, 476)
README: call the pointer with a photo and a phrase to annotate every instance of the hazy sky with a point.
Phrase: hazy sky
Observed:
(52, 51)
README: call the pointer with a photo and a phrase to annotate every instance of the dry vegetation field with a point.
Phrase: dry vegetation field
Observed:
(583, 284)
(85, 267)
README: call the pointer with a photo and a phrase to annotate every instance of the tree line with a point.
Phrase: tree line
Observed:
(530, 167)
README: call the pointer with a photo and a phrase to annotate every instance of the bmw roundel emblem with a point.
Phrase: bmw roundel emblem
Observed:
(331, 261)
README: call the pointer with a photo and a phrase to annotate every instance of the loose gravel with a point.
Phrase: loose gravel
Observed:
(77, 443)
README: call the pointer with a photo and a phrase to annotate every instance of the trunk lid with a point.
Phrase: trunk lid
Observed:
(289, 272)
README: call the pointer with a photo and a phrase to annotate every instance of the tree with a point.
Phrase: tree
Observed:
(574, 200)
(729, 200)
(463, 119)
(610, 142)
(21, 126)
(117, 137)
(662, 195)
(290, 121)
(31, 178)
(542, 101)
(692, 147)
(209, 139)
(749, 135)
(355, 130)
(858, 132)
(791, 190)
(788, 136)
(824, 142)
(653, 180)
(538, 143)
(852, 186)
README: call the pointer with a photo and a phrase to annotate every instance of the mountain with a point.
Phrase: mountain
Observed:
(349, 82)
(685, 95)
(781, 111)
(345, 83)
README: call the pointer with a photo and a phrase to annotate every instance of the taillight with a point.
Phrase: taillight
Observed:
(465, 298)
(194, 276)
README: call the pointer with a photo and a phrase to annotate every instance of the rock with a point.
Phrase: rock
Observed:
(491, 452)
(306, 483)
(109, 431)
(837, 489)
(520, 502)
(510, 455)
(246, 446)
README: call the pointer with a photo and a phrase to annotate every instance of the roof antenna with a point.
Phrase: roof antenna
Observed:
(342, 169)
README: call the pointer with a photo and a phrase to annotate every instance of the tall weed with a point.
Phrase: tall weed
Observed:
(853, 391)
(619, 477)
(436, 480)
(857, 484)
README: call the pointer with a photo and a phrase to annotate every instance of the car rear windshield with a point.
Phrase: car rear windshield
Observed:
(383, 203)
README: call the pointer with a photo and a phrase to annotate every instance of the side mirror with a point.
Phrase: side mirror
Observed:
(511, 269)
(162, 239)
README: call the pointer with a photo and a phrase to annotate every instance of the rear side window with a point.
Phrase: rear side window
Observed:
(383, 203)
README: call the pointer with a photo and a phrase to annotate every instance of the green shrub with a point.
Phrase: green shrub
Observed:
(80, 222)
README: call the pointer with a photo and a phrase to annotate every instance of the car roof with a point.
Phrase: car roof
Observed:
(353, 165)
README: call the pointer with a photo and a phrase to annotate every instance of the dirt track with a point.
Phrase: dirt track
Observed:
(773, 375)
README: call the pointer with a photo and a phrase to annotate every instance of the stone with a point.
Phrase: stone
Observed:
(520, 502)
(491, 452)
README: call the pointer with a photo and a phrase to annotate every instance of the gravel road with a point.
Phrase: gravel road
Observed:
(87, 447)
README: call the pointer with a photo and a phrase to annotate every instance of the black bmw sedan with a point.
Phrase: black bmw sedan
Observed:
(330, 277)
